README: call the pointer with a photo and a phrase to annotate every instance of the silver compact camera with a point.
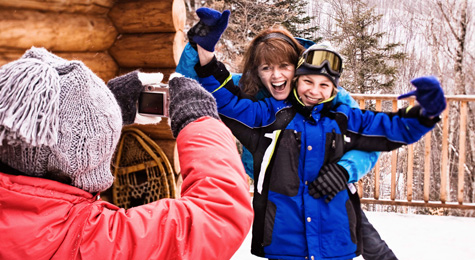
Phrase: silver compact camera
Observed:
(153, 100)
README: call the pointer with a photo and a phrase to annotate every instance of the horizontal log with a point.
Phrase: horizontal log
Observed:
(6, 57)
(101, 63)
(158, 50)
(97, 7)
(55, 31)
(146, 16)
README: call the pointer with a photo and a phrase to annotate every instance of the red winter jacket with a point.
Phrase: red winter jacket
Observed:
(44, 219)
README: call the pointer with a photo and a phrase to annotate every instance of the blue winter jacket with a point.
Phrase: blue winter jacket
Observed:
(357, 163)
(292, 143)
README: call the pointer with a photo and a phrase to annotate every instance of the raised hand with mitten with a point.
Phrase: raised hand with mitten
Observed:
(429, 94)
(331, 179)
(209, 29)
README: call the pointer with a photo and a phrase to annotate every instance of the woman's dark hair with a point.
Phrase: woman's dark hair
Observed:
(272, 46)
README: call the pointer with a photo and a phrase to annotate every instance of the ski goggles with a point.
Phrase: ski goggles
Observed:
(318, 58)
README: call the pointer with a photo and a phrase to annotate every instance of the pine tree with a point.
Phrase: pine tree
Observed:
(296, 18)
(370, 66)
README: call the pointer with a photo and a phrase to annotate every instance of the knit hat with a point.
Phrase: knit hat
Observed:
(57, 116)
(188, 102)
(321, 59)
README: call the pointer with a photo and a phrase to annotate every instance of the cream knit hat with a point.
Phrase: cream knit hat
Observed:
(57, 116)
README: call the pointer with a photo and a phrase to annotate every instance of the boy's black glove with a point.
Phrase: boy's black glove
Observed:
(331, 179)
(188, 102)
(198, 29)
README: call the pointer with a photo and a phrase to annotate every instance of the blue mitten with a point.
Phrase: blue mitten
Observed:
(209, 29)
(429, 94)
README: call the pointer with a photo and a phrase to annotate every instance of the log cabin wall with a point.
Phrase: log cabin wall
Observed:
(151, 36)
(111, 37)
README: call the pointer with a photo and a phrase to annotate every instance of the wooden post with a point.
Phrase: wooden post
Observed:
(444, 169)
(360, 182)
(410, 165)
(462, 140)
(427, 149)
(393, 163)
(376, 168)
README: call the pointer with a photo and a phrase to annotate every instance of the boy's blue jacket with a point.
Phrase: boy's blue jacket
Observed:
(357, 163)
(292, 143)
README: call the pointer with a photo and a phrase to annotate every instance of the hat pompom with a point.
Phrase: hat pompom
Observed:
(29, 101)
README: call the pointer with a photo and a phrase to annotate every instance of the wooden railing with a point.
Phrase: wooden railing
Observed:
(406, 199)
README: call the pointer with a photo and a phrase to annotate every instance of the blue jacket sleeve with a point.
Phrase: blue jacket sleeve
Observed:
(249, 112)
(233, 103)
(357, 163)
(189, 58)
(248, 162)
(379, 131)
(344, 97)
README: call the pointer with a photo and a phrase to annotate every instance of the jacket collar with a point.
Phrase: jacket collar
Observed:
(36, 186)
(310, 112)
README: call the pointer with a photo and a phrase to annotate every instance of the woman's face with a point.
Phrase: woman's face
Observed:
(313, 89)
(277, 78)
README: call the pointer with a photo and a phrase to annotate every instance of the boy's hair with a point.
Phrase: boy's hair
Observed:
(273, 46)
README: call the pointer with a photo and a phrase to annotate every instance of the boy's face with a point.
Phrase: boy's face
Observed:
(277, 78)
(313, 89)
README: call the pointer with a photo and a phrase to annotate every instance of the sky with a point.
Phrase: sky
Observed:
(413, 237)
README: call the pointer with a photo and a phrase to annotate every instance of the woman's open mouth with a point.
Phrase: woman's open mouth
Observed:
(279, 86)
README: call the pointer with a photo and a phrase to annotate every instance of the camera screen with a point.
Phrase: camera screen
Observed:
(152, 103)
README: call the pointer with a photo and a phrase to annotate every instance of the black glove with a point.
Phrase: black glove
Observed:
(188, 102)
(126, 89)
(200, 29)
(331, 179)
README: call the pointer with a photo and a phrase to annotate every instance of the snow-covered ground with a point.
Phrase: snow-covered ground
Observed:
(413, 237)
